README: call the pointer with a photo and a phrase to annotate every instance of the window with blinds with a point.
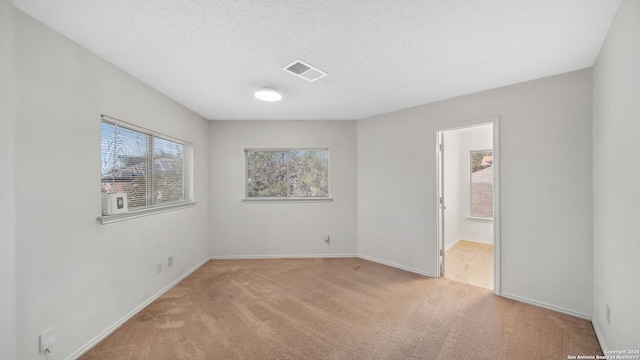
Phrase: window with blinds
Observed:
(150, 168)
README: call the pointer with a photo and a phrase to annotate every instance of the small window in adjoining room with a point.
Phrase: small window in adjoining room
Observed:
(152, 169)
(481, 189)
(287, 173)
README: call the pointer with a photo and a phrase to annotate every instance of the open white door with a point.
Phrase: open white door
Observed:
(441, 206)
(456, 206)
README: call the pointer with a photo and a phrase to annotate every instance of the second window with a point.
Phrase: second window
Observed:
(287, 173)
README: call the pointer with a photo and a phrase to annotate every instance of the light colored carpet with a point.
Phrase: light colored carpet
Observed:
(338, 309)
(471, 263)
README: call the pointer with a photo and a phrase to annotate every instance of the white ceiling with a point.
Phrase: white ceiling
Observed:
(381, 55)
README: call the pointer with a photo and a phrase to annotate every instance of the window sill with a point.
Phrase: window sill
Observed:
(108, 219)
(479, 218)
(284, 200)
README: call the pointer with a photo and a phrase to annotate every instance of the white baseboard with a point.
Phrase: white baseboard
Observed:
(119, 323)
(311, 256)
(449, 246)
(466, 238)
(599, 336)
(546, 306)
(397, 266)
(286, 256)
(481, 241)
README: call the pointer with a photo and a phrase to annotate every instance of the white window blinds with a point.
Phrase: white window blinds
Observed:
(150, 168)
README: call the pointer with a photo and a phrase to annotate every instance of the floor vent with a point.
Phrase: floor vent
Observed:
(305, 71)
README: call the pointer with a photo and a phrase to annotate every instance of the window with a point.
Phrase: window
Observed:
(481, 204)
(287, 173)
(152, 169)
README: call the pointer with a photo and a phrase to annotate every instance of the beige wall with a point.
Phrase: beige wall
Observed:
(7, 185)
(616, 173)
(545, 137)
(281, 228)
(73, 273)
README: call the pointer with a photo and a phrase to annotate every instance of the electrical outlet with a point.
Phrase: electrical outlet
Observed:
(170, 261)
(47, 339)
(159, 268)
(608, 314)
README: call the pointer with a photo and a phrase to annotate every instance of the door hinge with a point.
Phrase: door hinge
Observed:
(441, 252)
(441, 147)
(441, 269)
(441, 200)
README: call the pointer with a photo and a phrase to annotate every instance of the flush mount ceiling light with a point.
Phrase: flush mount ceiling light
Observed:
(268, 95)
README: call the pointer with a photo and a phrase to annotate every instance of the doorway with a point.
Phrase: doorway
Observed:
(468, 211)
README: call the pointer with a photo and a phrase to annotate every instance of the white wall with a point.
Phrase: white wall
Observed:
(616, 173)
(7, 185)
(281, 228)
(545, 124)
(73, 273)
(472, 139)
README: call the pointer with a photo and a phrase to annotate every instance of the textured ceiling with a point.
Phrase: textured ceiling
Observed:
(381, 55)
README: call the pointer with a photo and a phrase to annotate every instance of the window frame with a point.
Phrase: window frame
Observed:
(287, 198)
(187, 173)
(470, 199)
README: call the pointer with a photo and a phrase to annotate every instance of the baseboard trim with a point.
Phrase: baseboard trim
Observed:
(466, 238)
(124, 319)
(546, 306)
(285, 256)
(476, 240)
(449, 246)
(397, 266)
(311, 256)
(599, 336)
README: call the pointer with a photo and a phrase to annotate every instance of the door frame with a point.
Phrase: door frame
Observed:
(439, 228)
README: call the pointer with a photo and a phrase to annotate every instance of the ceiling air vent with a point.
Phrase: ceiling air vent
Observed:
(305, 71)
